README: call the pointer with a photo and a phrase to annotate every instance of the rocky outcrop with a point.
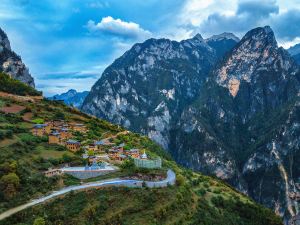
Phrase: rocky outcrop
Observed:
(11, 63)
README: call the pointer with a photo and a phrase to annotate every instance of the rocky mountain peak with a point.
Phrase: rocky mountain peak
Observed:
(4, 42)
(260, 36)
(198, 36)
(256, 52)
(11, 63)
(223, 36)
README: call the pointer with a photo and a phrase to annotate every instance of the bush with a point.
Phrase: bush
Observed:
(38, 121)
(128, 164)
(201, 192)
(39, 221)
(180, 180)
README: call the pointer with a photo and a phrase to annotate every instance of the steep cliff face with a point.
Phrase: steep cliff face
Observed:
(245, 125)
(147, 88)
(11, 63)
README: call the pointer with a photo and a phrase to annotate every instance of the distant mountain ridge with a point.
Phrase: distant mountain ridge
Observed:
(295, 52)
(71, 97)
(11, 63)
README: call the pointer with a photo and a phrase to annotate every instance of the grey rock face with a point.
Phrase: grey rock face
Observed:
(147, 88)
(250, 112)
(11, 63)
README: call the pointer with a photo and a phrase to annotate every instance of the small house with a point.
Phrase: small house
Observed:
(73, 145)
(78, 127)
(134, 153)
(53, 172)
(54, 138)
(65, 134)
(39, 129)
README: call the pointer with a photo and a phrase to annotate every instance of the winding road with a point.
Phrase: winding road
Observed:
(170, 180)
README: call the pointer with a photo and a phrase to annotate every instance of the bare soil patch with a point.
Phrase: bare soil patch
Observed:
(27, 116)
(12, 109)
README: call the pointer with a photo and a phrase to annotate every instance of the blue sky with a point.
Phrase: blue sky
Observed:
(68, 43)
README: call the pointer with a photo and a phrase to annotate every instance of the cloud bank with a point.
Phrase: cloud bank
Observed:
(112, 26)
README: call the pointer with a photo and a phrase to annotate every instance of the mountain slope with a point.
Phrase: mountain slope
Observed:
(71, 97)
(11, 63)
(148, 87)
(196, 199)
(237, 117)
(295, 52)
(244, 128)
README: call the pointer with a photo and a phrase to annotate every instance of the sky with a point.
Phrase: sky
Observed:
(68, 43)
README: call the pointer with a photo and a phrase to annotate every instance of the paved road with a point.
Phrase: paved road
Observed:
(170, 180)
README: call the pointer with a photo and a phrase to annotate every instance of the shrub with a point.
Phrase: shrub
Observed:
(128, 164)
(180, 180)
(39, 221)
(38, 121)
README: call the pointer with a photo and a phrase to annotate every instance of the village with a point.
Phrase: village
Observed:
(102, 156)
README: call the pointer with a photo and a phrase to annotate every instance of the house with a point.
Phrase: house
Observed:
(54, 138)
(78, 127)
(120, 147)
(55, 124)
(64, 133)
(73, 145)
(92, 147)
(47, 128)
(39, 129)
(134, 153)
(53, 172)
(100, 145)
(148, 163)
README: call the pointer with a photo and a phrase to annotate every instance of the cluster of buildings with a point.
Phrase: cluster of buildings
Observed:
(105, 150)
(60, 132)
(98, 153)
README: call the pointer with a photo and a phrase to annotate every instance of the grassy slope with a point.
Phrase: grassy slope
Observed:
(16, 87)
(196, 200)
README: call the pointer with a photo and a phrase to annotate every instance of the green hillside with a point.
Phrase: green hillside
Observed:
(195, 199)
(13, 86)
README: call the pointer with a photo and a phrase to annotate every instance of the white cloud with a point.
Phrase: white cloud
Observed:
(288, 44)
(118, 27)
(194, 12)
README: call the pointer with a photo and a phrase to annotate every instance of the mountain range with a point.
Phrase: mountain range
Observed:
(295, 52)
(71, 97)
(222, 106)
